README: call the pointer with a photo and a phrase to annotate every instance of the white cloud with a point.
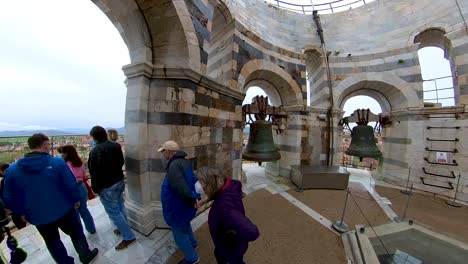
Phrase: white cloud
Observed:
(17, 127)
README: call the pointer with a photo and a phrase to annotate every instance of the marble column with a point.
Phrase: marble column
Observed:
(203, 116)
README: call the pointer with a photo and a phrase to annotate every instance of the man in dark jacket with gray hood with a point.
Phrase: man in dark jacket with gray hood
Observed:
(179, 200)
(105, 166)
(44, 191)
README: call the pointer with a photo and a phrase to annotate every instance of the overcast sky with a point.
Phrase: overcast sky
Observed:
(60, 67)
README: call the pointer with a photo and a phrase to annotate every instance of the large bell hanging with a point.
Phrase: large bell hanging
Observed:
(363, 143)
(260, 146)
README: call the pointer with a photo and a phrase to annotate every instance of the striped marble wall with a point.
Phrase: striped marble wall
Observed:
(415, 136)
(203, 116)
(176, 44)
(459, 59)
(250, 46)
(403, 63)
(201, 13)
(220, 48)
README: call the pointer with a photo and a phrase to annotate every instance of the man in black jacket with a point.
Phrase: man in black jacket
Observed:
(17, 219)
(105, 166)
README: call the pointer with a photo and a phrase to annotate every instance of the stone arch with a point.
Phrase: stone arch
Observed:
(434, 37)
(175, 40)
(314, 70)
(230, 6)
(289, 91)
(131, 24)
(221, 46)
(221, 17)
(377, 95)
(392, 93)
(171, 44)
(414, 37)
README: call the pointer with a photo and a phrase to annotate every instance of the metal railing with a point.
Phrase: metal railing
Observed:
(321, 6)
(435, 95)
(352, 162)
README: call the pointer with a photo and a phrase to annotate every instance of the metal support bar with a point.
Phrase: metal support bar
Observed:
(457, 127)
(433, 185)
(340, 226)
(439, 150)
(448, 140)
(330, 138)
(440, 175)
(453, 203)
(405, 191)
(407, 203)
(438, 163)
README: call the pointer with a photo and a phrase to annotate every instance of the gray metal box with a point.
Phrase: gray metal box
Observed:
(319, 177)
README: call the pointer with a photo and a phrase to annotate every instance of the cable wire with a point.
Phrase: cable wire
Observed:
(461, 14)
(372, 199)
(370, 225)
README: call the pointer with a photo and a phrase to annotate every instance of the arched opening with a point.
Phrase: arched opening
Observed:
(361, 102)
(437, 76)
(315, 74)
(262, 87)
(433, 53)
(273, 79)
(249, 95)
(249, 167)
(391, 92)
(350, 105)
(253, 169)
(254, 91)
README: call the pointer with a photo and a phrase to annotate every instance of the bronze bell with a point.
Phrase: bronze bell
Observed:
(363, 143)
(260, 146)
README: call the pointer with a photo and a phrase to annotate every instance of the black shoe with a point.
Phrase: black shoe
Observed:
(184, 261)
(92, 255)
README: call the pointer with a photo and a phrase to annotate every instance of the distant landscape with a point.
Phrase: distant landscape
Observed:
(54, 132)
(13, 144)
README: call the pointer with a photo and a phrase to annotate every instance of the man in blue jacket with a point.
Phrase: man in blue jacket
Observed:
(43, 190)
(179, 200)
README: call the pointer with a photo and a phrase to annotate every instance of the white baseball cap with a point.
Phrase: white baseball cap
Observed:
(169, 145)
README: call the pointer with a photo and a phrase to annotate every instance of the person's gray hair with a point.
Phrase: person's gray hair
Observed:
(212, 178)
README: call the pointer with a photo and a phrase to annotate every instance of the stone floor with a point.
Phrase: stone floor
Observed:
(159, 246)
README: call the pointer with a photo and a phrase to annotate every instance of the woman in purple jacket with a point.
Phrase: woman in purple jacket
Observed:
(230, 229)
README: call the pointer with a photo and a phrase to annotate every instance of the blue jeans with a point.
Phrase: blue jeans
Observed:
(83, 209)
(113, 202)
(185, 240)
